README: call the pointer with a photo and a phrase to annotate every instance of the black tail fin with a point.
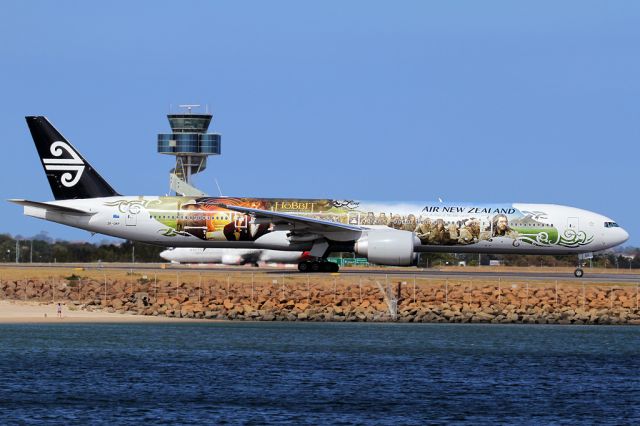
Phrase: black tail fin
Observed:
(70, 175)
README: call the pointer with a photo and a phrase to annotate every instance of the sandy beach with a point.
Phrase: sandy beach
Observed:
(34, 312)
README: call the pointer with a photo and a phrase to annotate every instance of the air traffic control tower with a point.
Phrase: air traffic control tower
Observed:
(190, 143)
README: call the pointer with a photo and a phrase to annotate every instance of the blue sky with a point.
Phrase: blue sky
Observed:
(469, 101)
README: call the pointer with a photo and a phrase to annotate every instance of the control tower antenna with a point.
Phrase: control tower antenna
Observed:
(190, 144)
(189, 106)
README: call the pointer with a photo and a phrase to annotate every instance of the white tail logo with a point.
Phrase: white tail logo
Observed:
(74, 164)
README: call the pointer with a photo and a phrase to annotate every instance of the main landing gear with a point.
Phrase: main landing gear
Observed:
(578, 272)
(318, 266)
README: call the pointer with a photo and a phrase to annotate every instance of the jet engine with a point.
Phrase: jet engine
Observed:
(388, 247)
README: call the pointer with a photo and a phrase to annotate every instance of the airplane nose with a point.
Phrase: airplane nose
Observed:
(624, 235)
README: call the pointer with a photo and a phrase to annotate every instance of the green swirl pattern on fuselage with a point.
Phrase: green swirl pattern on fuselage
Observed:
(551, 237)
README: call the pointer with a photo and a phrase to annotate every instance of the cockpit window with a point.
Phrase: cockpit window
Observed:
(611, 225)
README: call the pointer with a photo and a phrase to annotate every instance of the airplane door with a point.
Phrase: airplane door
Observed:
(131, 219)
(573, 223)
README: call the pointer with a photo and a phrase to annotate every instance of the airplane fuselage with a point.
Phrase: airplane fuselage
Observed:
(439, 227)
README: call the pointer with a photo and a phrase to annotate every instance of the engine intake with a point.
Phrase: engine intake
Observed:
(390, 247)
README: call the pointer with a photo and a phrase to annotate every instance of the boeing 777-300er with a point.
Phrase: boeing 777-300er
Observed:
(385, 233)
(230, 256)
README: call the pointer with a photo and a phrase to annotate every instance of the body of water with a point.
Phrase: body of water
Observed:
(311, 373)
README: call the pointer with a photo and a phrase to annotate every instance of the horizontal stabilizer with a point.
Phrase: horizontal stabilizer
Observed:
(51, 207)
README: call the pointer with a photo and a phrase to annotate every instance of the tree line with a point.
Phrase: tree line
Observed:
(46, 250)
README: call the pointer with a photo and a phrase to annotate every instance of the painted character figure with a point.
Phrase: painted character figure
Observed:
(439, 234)
(370, 219)
(453, 233)
(423, 230)
(465, 235)
(410, 224)
(501, 228)
(395, 222)
(382, 219)
(240, 229)
(237, 229)
(191, 219)
(473, 225)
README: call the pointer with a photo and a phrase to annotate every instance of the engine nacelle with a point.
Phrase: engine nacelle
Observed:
(388, 247)
(231, 259)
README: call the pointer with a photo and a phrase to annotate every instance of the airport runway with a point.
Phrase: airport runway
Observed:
(591, 277)
(409, 272)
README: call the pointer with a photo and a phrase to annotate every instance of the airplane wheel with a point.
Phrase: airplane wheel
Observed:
(303, 266)
(316, 266)
(578, 273)
(334, 267)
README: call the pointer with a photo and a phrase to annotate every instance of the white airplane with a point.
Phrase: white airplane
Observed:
(230, 256)
(384, 233)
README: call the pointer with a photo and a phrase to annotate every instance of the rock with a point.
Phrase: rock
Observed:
(448, 313)
(478, 303)
(301, 306)
(512, 317)
(481, 317)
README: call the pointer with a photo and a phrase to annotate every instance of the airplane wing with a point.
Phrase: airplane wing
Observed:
(300, 222)
(51, 207)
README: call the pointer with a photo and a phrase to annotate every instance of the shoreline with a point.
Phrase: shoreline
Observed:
(28, 312)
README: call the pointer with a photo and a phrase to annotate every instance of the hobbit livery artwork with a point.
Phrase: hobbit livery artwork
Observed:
(441, 224)
(386, 233)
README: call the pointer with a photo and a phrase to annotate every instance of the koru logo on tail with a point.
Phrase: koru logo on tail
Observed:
(72, 166)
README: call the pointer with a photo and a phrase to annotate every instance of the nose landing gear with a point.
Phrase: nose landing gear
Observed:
(579, 272)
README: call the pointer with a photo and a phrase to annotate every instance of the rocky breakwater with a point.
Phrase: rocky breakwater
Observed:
(329, 299)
